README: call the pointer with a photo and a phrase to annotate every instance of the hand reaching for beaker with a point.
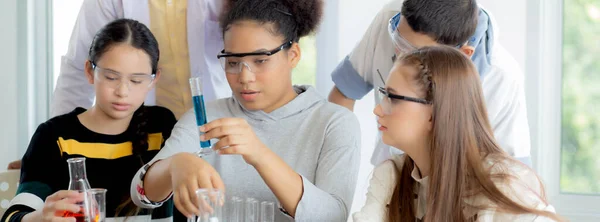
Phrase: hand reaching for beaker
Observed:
(188, 174)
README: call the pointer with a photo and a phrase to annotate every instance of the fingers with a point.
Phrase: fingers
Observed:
(14, 165)
(221, 122)
(208, 199)
(229, 141)
(222, 131)
(61, 219)
(59, 207)
(217, 182)
(62, 195)
(178, 204)
(185, 197)
(233, 149)
(205, 203)
(183, 203)
(79, 197)
(205, 182)
(192, 197)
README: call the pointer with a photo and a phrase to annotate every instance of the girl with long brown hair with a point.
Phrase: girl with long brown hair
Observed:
(452, 168)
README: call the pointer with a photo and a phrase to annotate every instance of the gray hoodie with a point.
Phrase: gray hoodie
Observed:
(318, 139)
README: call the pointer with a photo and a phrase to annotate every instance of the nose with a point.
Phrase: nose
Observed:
(122, 89)
(246, 74)
(378, 111)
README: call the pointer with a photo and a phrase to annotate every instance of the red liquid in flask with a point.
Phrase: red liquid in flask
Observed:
(80, 217)
(78, 181)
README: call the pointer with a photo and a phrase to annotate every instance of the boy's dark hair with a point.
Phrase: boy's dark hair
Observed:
(449, 22)
(137, 35)
(291, 18)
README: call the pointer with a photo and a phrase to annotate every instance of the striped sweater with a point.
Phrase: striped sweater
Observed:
(109, 162)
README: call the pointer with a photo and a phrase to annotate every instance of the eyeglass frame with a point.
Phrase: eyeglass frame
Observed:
(395, 35)
(405, 98)
(283, 46)
(384, 91)
(152, 75)
(267, 53)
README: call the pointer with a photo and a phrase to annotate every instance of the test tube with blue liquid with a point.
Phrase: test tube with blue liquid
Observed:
(200, 111)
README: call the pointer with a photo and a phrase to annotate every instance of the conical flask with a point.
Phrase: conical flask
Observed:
(78, 181)
(77, 174)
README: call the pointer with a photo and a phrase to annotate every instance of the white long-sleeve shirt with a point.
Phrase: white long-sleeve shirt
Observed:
(502, 80)
(524, 189)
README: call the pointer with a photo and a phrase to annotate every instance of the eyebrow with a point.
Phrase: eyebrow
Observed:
(111, 70)
(390, 90)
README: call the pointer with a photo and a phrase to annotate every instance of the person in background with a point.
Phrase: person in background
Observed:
(116, 136)
(274, 141)
(188, 36)
(452, 168)
(403, 26)
(14, 165)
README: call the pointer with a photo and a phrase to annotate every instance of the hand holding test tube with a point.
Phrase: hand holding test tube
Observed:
(200, 111)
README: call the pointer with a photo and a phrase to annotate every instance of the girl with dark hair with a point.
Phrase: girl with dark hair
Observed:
(116, 136)
(453, 168)
(274, 141)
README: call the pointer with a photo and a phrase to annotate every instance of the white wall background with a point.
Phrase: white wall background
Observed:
(8, 85)
(355, 16)
(62, 29)
(510, 16)
(24, 98)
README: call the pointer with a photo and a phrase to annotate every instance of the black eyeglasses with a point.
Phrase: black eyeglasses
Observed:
(267, 53)
(384, 92)
(233, 63)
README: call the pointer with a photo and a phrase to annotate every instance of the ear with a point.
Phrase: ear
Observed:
(468, 50)
(430, 122)
(157, 76)
(294, 54)
(89, 71)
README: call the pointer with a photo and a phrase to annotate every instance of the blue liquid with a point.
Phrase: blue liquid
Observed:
(200, 111)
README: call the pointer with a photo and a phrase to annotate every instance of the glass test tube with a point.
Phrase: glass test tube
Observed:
(236, 209)
(252, 210)
(200, 111)
(267, 211)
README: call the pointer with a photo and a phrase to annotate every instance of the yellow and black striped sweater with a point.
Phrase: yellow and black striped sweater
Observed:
(109, 161)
